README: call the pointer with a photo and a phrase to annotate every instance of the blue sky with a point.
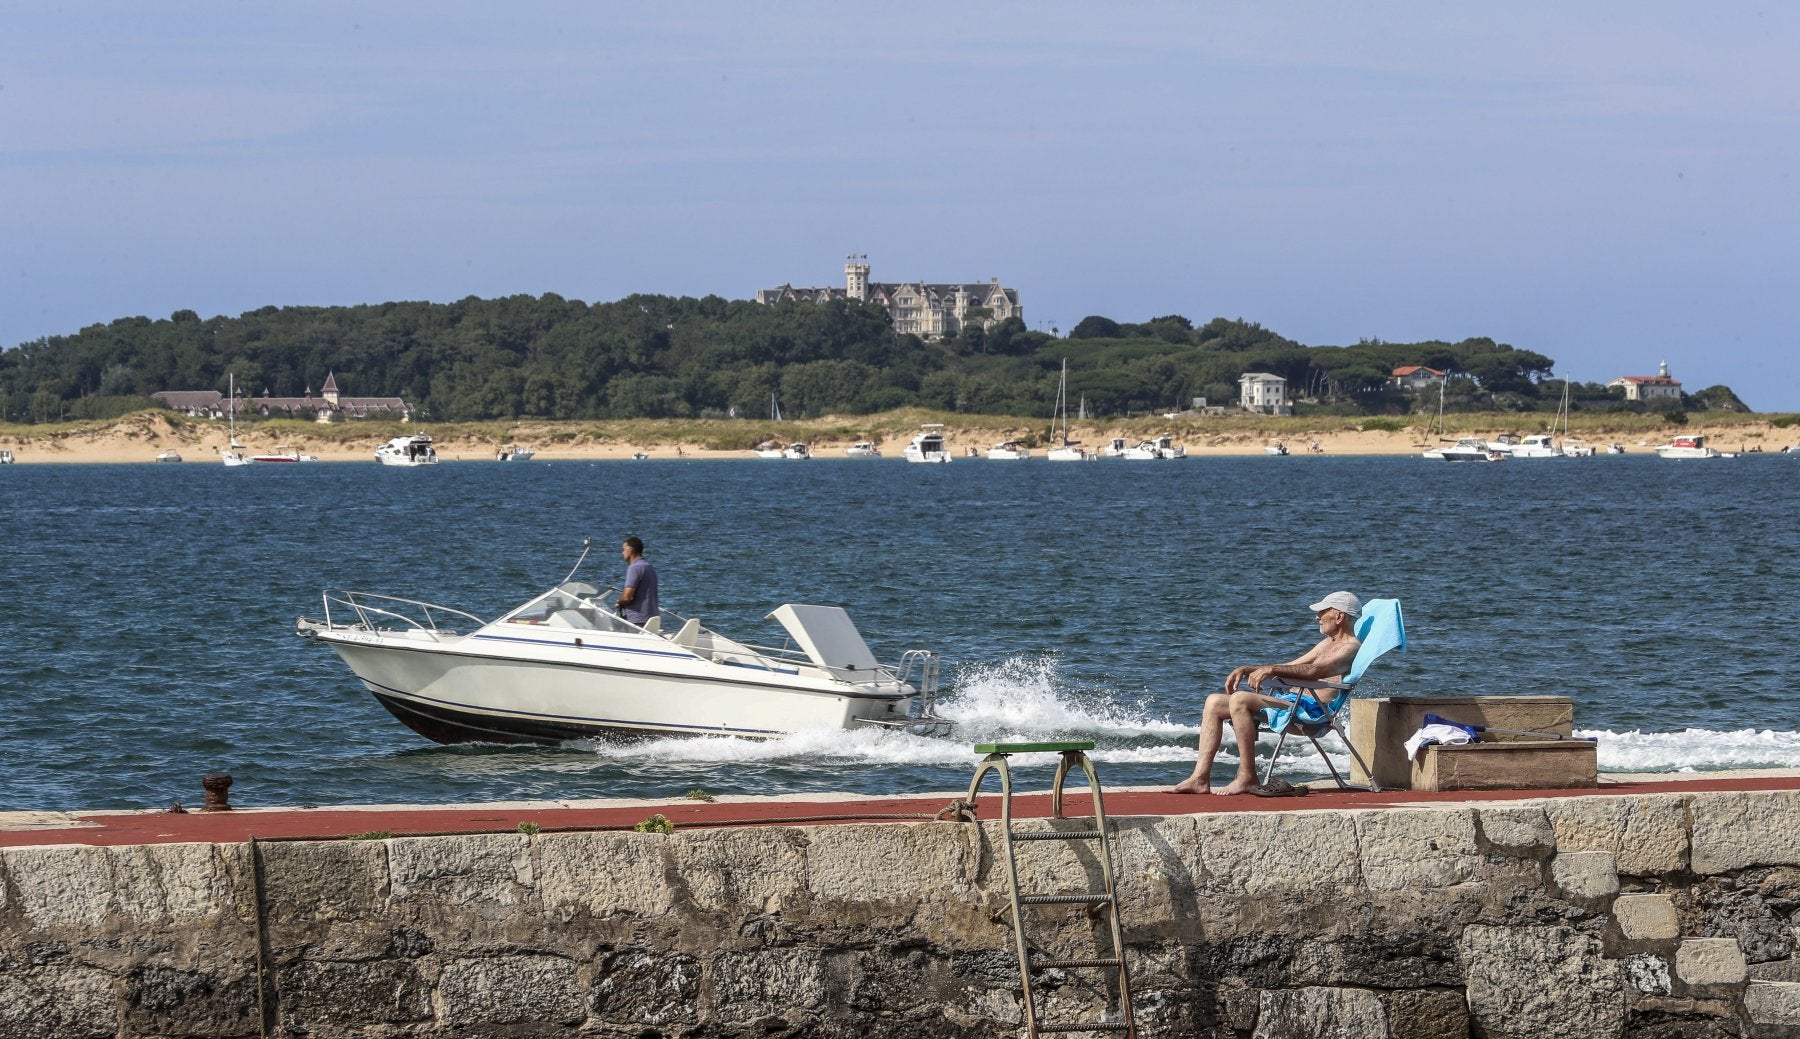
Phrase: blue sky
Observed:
(1608, 184)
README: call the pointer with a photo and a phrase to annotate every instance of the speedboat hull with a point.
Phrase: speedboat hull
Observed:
(449, 697)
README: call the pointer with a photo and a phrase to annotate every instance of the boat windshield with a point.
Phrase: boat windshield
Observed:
(568, 607)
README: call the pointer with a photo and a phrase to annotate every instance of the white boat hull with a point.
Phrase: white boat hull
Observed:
(455, 689)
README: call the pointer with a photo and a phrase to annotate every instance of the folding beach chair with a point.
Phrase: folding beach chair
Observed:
(1380, 628)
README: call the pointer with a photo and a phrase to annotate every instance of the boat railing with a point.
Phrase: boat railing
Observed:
(373, 610)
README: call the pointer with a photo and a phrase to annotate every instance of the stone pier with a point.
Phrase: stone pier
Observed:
(1669, 915)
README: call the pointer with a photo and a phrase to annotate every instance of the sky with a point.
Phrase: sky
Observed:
(1612, 185)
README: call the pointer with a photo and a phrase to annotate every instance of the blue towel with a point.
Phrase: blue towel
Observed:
(1381, 628)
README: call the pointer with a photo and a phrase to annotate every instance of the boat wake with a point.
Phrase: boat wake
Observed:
(1021, 699)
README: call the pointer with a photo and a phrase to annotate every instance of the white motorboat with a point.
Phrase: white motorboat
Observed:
(564, 666)
(796, 451)
(1010, 451)
(1116, 448)
(168, 456)
(1577, 448)
(6, 458)
(770, 449)
(409, 452)
(928, 445)
(1536, 445)
(1467, 449)
(1615, 448)
(1159, 449)
(514, 453)
(1278, 448)
(1690, 447)
(862, 449)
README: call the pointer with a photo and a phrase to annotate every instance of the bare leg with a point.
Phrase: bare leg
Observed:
(1244, 706)
(1212, 731)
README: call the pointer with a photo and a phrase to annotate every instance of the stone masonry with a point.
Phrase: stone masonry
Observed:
(1670, 916)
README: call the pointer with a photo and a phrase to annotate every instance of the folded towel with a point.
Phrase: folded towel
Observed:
(1449, 735)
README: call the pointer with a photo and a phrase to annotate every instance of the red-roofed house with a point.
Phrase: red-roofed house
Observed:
(330, 407)
(1414, 377)
(1650, 387)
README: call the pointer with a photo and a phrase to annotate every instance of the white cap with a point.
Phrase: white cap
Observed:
(1344, 602)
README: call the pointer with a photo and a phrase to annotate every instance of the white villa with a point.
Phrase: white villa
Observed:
(922, 308)
(1650, 387)
(1264, 393)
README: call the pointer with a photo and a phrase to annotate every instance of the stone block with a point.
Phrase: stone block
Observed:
(1320, 1013)
(1710, 961)
(605, 874)
(640, 987)
(1413, 849)
(162, 885)
(314, 993)
(503, 990)
(1646, 918)
(1647, 835)
(168, 1001)
(1528, 982)
(1379, 727)
(323, 881)
(1427, 1014)
(856, 864)
(65, 886)
(1258, 854)
(1585, 875)
(1741, 829)
(1773, 1003)
(468, 871)
(741, 873)
(766, 981)
(1544, 765)
(63, 1003)
(1648, 973)
(1522, 831)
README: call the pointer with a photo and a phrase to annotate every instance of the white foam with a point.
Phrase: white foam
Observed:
(1695, 750)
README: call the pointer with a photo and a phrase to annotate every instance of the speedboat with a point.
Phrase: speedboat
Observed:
(1278, 448)
(1690, 447)
(1010, 451)
(928, 445)
(1468, 449)
(409, 451)
(862, 449)
(1536, 445)
(168, 456)
(565, 666)
(6, 458)
(1160, 449)
(1577, 449)
(514, 453)
(1116, 447)
(796, 450)
(1070, 451)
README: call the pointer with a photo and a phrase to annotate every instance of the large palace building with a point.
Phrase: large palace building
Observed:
(922, 308)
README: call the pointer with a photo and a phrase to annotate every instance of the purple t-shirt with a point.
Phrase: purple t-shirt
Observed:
(641, 576)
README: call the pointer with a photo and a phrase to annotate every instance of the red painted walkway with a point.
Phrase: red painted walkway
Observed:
(126, 828)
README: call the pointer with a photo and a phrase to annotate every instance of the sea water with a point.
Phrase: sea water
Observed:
(146, 612)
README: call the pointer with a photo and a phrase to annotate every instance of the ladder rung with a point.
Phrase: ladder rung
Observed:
(1100, 961)
(1057, 835)
(1064, 900)
(1087, 1026)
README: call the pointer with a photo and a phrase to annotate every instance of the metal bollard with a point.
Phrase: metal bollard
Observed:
(216, 785)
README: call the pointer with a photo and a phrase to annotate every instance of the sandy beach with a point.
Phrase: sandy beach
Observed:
(141, 437)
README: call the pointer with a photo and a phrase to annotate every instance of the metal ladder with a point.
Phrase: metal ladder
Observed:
(1106, 900)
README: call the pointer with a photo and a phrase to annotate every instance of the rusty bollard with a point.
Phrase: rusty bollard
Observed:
(216, 785)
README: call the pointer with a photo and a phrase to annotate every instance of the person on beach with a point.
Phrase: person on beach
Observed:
(1241, 701)
(637, 602)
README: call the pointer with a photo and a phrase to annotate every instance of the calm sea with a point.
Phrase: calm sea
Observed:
(146, 612)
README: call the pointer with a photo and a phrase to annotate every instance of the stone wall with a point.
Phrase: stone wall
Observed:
(1666, 916)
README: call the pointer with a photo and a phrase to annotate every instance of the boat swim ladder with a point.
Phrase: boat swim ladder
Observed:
(1094, 902)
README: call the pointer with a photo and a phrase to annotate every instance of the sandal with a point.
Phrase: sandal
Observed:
(1279, 788)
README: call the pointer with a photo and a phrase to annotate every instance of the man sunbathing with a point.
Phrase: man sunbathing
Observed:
(1240, 701)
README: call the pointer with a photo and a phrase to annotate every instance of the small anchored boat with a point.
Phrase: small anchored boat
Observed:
(566, 666)
(409, 452)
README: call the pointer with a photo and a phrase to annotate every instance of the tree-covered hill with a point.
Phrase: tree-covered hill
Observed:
(660, 356)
